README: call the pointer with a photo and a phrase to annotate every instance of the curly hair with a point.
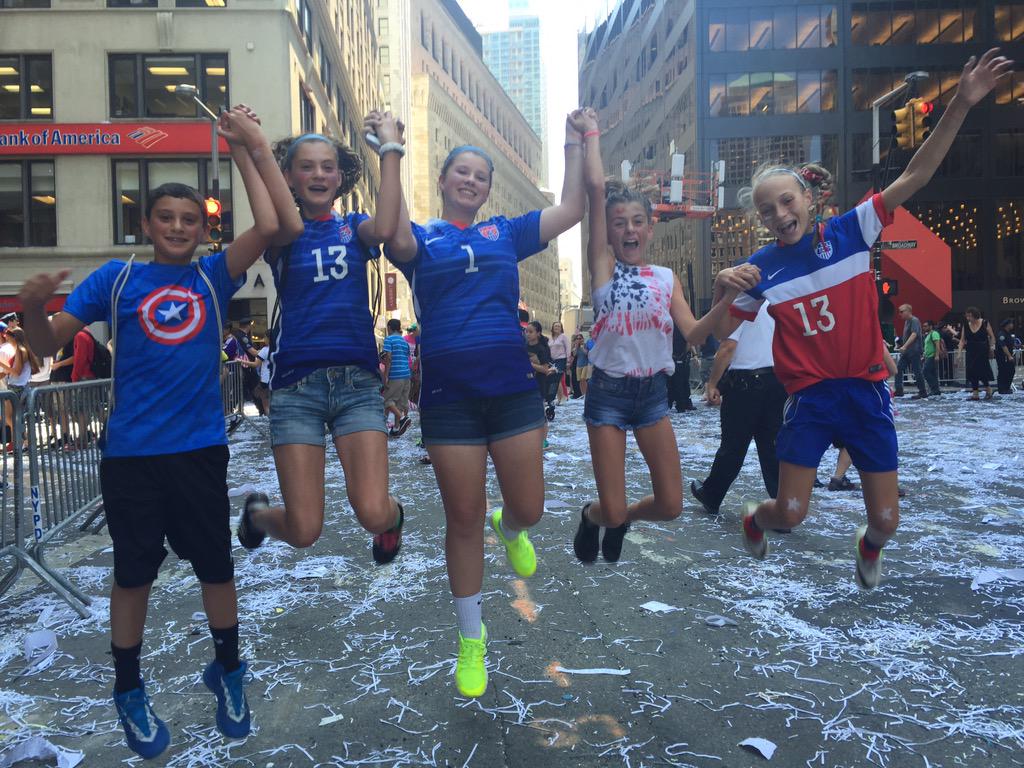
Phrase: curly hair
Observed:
(616, 192)
(350, 165)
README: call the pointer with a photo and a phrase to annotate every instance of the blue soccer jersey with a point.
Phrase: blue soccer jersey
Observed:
(324, 302)
(465, 285)
(168, 348)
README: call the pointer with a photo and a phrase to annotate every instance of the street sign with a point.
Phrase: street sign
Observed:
(897, 245)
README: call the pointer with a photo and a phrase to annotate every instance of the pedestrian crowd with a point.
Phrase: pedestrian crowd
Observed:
(790, 350)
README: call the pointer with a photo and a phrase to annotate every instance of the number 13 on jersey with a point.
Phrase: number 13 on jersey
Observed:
(825, 321)
(338, 270)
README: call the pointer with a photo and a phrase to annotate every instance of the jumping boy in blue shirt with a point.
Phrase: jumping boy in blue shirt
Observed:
(164, 469)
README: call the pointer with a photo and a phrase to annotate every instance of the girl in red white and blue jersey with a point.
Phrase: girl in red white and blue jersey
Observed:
(478, 395)
(828, 347)
(635, 307)
(323, 364)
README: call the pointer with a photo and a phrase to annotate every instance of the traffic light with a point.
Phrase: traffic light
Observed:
(888, 287)
(213, 220)
(903, 125)
(922, 117)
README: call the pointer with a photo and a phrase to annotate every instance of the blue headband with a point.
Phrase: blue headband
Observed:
(467, 148)
(290, 153)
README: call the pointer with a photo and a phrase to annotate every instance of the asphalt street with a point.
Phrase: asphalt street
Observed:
(351, 664)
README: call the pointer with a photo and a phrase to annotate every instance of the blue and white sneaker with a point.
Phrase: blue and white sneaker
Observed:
(232, 707)
(146, 734)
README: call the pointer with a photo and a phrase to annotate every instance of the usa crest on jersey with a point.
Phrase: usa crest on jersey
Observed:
(345, 233)
(490, 231)
(824, 250)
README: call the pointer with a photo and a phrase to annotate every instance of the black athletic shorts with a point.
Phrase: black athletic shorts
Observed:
(182, 497)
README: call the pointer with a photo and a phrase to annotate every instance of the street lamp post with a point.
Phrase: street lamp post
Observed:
(190, 90)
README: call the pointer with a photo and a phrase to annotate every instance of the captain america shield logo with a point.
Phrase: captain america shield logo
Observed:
(172, 315)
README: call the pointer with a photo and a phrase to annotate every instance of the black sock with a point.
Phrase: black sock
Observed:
(869, 545)
(225, 646)
(128, 677)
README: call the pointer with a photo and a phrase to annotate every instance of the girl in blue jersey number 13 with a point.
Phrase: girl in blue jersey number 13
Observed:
(324, 364)
(635, 305)
(466, 286)
(828, 348)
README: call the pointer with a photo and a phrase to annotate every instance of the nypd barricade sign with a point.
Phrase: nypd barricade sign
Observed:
(165, 138)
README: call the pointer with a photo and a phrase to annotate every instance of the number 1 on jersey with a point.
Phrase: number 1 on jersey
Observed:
(472, 259)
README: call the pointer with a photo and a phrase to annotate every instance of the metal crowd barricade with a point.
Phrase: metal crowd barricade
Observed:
(11, 492)
(232, 393)
(64, 424)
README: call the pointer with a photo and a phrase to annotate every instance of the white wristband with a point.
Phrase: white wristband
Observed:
(391, 146)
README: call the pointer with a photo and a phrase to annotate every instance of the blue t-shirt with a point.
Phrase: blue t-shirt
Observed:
(398, 348)
(324, 302)
(465, 285)
(582, 356)
(167, 364)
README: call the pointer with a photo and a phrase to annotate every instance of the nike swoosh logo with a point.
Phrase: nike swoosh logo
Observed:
(772, 275)
(428, 242)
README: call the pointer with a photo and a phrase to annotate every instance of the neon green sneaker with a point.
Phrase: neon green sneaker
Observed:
(470, 672)
(519, 550)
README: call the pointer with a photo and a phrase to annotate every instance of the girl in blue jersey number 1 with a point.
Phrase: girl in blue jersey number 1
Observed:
(635, 305)
(323, 365)
(466, 286)
(828, 347)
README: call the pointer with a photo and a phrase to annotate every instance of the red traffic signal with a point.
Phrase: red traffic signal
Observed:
(888, 287)
(924, 107)
(213, 206)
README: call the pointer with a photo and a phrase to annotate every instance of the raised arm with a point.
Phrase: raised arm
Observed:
(383, 225)
(978, 78)
(265, 187)
(556, 219)
(46, 337)
(600, 259)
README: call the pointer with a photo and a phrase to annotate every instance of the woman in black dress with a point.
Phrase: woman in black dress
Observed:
(980, 345)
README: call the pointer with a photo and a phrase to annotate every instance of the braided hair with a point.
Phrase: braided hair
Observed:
(616, 192)
(812, 177)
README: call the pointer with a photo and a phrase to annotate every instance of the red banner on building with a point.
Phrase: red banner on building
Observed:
(390, 292)
(179, 138)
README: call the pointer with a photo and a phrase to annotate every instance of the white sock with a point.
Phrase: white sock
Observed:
(469, 614)
(508, 533)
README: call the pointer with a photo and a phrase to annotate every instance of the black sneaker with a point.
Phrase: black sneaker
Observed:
(387, 544)
(403, 425)
(842, 484)
(611, 543)
(585, 544)
(249, 535)
(697, 489)
(549, 413)
(818, 483)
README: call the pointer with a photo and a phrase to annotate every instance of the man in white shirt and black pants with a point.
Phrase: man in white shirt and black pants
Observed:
(752, 401)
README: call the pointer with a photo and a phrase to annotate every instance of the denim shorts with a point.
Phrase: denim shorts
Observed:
(344, 399)
(626, 402)
(482, 420)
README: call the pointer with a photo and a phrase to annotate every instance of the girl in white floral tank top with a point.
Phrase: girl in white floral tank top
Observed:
(635, 306)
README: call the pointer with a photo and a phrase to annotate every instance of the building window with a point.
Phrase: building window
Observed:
(1009, 89)
(305, 14)
(1009, 153)
(307, 110)
(26, 87)
(131, 3)
(134, 178)
(906, 22)
(743, 155)
(869, 84)
(143, 85)
(1009, 243)
(781, 28)
(956, 224)
(28, 203)
(201, 3)
(1010, 22)
(772, 93)
(24, 4)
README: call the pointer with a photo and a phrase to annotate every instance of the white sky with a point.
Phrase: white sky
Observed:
(560, 25)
